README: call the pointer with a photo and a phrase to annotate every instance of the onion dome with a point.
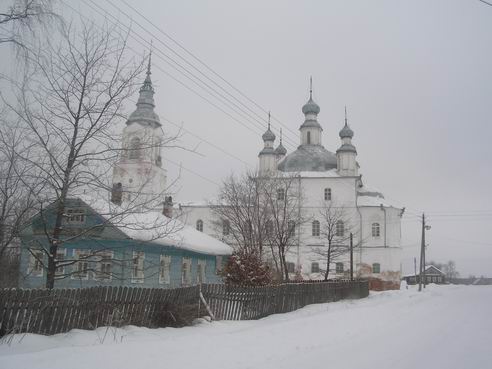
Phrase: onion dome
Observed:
(280, 150)
(268, 135)
(346, 132)
(311, 107)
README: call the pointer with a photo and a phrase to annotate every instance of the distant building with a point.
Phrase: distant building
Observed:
(432, 275)
(326, 178)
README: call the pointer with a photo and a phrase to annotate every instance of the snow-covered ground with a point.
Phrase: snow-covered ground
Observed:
(443, 327)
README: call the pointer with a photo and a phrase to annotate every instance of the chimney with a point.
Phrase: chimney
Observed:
(167, 209)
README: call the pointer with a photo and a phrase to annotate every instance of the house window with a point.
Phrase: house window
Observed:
(376, 230)
(309, 138)
(376, 268)
(75, 216)
(199, 225)
(201, 266)
(218, 264)
(327, 194)
(60, 258)
(340, 229)
(135, 148)
(165, 269)
(186, 272)
(291, 225)
(314, 267)
(138, 267)
(315, 228)
(291, 267)
(226, 227)
(104, 265)
(280, 194)
(81, 266)
(35, 263)
(339, 267)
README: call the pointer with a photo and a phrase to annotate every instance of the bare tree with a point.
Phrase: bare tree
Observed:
(241, 214)
(335, 228)
(283, 198)
(24, 18)
(17, 185)
(68, 105)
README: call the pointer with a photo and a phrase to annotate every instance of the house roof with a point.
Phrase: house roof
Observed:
(152, 226)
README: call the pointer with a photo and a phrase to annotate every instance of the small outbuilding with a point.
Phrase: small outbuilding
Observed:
(432, 275)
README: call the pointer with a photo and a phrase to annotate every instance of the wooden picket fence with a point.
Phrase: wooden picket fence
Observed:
(60, 310)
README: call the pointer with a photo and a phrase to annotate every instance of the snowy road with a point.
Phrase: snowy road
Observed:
(444, 327)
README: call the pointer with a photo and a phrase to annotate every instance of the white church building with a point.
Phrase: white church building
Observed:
(324, 178)
(327, 178)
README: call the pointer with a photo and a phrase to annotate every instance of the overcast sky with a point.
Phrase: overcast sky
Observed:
(416, 77)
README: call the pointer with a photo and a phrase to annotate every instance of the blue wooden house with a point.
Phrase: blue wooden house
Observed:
(103, 247)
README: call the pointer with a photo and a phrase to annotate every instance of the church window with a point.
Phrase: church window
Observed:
(339, 267)
(269, 227)
(309, 138)
(315, 228)
(291, 267)
(291, 227)
(117, 193)
(280, 194)
(376, 268)
(340, 229)
(314, 267)
(327, 194)
(135, 148)
(226, 227)
(199, 225)
(376, 230)
(130, 180)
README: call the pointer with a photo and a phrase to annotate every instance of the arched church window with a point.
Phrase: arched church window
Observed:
(327, 194)
(315, 228)
(226, 227)
(340, 229)
(376, 230)
(309, 138)
(291, 225)
(269, 227)
(135, 149)
(199, 225)
(280, 194)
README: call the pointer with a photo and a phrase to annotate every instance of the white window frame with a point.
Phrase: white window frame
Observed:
(339, 270)
(138, 264)
(35, 267)
(61, 254)
(376, 229)
(102, 259)
(317, 267)
(75, 215)
(186, 271)
(76, 269)
(165, 269)
(340, 228)
(201, 271)
(327, 194)
(199, 225)
(315, 228)
(379, 268)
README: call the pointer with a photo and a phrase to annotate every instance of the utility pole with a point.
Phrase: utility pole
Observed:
(351, 256)
(422, 254)
(415, 268)
(422, 248)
